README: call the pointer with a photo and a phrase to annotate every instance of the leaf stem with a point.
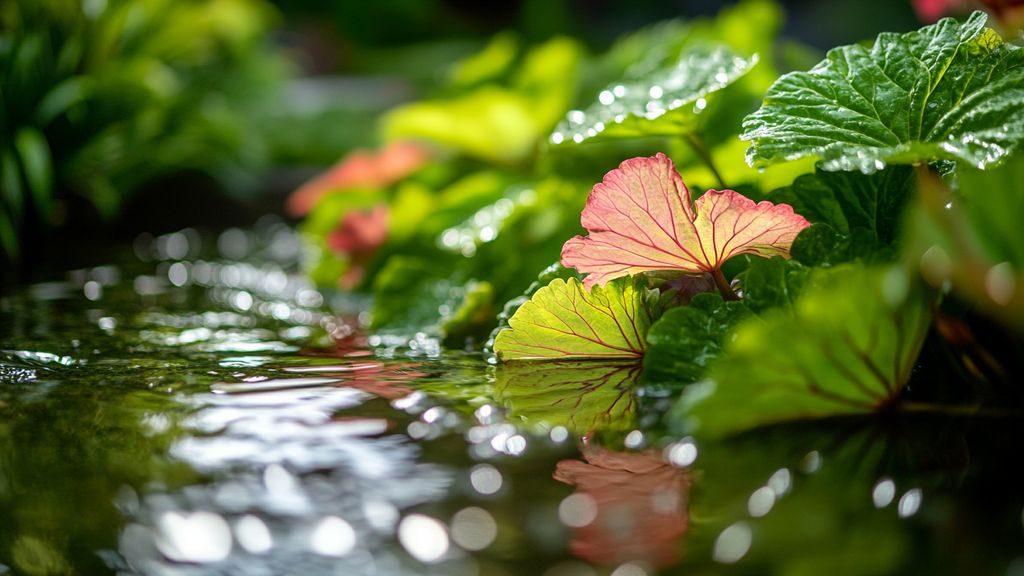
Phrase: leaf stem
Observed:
(723, 286)
(702, 152)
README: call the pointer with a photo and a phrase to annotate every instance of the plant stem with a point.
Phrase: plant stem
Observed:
(702, 152)
(723, 286)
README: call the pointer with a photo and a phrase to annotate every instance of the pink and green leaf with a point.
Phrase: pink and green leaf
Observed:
(640, 219)
(564, 320)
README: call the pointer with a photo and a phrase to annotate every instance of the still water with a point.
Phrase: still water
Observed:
(196, 407)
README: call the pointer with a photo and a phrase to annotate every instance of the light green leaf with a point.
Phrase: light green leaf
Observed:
(583, 396)
(847, 347)
(564, 321)
(663, 103)
(948, 91)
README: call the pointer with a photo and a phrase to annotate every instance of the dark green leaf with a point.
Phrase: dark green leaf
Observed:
(947, 91)
(772, 283)
(847, 347)
(38, 167)
(685, 339)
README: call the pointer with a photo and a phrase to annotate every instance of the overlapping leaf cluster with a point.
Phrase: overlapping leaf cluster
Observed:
(805, 289)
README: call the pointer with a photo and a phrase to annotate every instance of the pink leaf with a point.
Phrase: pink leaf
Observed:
(360, 169)
(359, 235)
(641, 219)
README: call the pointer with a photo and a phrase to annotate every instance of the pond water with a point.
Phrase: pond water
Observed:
(197, 407)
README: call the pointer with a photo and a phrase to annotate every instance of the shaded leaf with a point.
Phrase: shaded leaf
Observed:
(850, 343)
(948, 91)
(583, 396)
(564, 320)
(685, 339)
(773, 283)
(667, 102)
(641, 219)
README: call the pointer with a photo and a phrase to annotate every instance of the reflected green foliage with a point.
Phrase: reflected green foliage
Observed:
(970, 237)
(100, 99)
(682, 343)
(583, 396)
(851, 341)
(949, 91)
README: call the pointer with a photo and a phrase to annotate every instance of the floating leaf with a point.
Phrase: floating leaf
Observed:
(847, 347)
(947, 91)
(564, 320)
(640, 219)
(664, 103)
(583, 396)
(682, 342)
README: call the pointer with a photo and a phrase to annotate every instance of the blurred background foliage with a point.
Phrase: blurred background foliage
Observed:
(118, 116)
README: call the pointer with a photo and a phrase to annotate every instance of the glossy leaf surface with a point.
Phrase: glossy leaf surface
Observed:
(947, 91)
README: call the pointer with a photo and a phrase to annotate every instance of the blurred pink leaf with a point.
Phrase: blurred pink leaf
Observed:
(359, 235)
(360, 169)
(640, 219)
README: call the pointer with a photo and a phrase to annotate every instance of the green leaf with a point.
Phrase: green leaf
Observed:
(564, 321)
(948, 91)
(847, 347)
(971, 241)
(855, 215)
(685, 339)
(772, 283)
(583, 396)
(663, 103)
(37, 164)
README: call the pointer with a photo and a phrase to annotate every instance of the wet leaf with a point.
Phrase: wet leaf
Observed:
(849, 345)
(854, 215)
(685, 339)
(667, 102)
(948, 91)
(583, 396)
(640, 219)
(564, 320)
(772, 283)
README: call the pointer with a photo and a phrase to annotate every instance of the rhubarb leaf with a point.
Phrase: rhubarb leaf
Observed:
(583, 396)
(847, 347)
(640, 219)
(948, 91)
(564, 320)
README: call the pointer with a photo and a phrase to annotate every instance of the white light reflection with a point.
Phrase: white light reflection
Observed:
(253, 535)
(485, 479)
(577, 510)
(423, 537)
(780, 481)
(733, 543)
(332, 537)
(474, 528)
(682, 453)
(559, 434)
(811, 462)
(909, 503)
(761, 501)
(883, 493)
(634, 439)
(629, 569)
(196, 537)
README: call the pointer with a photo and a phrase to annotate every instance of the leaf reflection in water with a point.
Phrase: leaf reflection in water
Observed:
(639, 506)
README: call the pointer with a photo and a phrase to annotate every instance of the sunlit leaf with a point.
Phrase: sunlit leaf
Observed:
(640, 219)
(564, 320)
(685, 339)
(947, 91)
(665, 103)
(583, 396)
(847, 347)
